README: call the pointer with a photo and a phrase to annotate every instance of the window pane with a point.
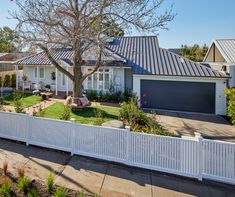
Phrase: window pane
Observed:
(106, 83)
(35, 72)
(101, 81)
(89, 82)
(41, 72)
(95, 81)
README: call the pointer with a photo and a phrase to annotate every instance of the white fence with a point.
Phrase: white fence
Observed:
(195, 157)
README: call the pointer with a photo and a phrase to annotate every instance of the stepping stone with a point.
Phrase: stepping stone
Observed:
(114, 124)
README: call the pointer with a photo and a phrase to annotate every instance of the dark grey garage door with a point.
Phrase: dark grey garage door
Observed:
(178, 95)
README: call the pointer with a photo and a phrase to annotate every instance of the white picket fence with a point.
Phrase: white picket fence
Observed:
(196, 157)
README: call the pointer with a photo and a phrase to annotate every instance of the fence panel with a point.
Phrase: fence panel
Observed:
(100, 142)
(50, 133)
(199, 158)
(219, 161)
(13, 126)
(166, 154)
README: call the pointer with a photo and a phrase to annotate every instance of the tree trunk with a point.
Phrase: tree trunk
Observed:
(77, 84)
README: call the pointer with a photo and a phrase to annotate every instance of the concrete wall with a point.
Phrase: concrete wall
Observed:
(220, 100)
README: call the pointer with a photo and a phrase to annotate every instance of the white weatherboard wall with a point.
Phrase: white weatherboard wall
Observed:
(191, 157)
(221, 84)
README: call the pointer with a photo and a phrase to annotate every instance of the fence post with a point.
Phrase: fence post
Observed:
(128, 129)
(72, 136)
(200, 161)
(27, 128)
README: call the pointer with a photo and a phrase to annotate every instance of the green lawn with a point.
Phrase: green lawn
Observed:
(28, 100)
(86, 116)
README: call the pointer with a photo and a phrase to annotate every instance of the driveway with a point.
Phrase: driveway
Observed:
(210, 126)
(103, 178)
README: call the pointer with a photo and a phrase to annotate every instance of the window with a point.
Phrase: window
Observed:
(41, 72)
(35, 72)
(100, 80)
(63, 79)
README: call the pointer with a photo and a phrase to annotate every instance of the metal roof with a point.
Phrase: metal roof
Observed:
(147, 58)
(227, 49)
(143, 54)
(42, 59)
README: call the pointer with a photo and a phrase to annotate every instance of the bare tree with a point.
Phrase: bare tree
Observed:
(82, 24)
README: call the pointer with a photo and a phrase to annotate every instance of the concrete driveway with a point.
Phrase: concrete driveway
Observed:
(210, 126)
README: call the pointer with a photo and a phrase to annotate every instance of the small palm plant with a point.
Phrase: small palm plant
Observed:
(50, 183)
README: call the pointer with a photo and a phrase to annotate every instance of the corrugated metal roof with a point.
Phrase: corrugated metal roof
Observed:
(146, 57)
(227, 49)
(143, 54)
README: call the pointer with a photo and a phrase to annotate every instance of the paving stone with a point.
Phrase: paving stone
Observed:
(83, 174)
(124, 181)
(114, 124)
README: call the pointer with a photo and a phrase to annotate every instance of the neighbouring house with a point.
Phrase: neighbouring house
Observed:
(221, 57)
(160, 78)
(6, 60)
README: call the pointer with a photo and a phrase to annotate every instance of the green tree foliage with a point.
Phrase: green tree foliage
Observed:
(7, 81)
(194, 53)
(8, 40)
(231, 104)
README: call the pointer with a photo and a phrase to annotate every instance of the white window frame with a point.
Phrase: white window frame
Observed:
(98, 72)
(37, 71)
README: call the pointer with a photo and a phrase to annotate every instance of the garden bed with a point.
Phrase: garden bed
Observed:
(36, 188)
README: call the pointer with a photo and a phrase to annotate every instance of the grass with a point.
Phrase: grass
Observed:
(86, 116)
(28, 100)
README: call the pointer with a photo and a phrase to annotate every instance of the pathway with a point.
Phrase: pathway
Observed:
(103, 178)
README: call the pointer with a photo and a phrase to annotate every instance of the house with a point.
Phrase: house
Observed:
(160, 78)
(221, 56)
(6, 60)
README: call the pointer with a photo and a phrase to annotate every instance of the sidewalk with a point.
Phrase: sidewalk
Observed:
(103, 178)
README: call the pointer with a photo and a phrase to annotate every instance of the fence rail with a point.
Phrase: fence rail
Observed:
(196, 157)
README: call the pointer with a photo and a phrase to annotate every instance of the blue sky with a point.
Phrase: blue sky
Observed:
(197, 21)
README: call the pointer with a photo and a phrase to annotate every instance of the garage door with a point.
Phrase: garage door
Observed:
(178, 95)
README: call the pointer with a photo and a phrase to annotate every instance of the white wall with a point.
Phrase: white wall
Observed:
(119, 79)
(231, 71)
(220, 100)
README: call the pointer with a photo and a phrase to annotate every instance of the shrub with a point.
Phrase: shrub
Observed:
(41, 112)
(43, 97)
(131, 115)
(60, 192)
(66, 114)
(50, 183)
(13, 80)
(118, 96)
(99, 117)
(7, 81)
(231, 104)
(5, 167)
(5, 189)
(32, 193)
(24, 78)
(23, 184)
(92, 95)
(17, 101)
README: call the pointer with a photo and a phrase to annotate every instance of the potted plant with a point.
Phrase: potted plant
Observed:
(53, 78)
(24, 78)
(48, 88)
